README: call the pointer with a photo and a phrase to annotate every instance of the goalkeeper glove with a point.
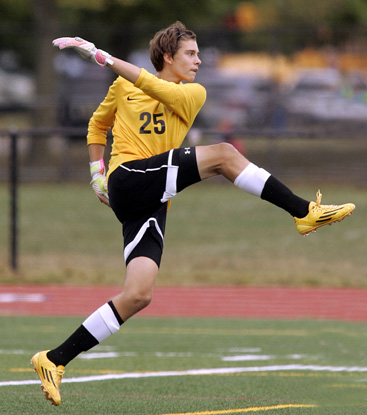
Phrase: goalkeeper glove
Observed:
(86, 49)
(99, 182)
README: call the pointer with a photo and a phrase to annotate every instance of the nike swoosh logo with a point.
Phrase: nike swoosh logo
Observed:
(131, 99)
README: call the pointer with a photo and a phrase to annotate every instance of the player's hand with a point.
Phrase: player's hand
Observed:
(99, 182)
(86, 49)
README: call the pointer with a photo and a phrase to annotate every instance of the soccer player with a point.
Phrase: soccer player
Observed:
(151, 115)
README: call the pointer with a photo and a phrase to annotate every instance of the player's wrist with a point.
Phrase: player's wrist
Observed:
(97, 168)
(102, 58)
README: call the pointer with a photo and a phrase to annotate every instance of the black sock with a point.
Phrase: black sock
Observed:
(280, 195)
(80, 341)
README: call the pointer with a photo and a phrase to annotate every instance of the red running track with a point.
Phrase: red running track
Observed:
(235, 302)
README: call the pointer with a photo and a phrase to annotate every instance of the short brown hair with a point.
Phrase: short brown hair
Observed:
(167, 41)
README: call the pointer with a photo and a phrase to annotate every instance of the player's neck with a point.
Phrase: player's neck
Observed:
(168, 76)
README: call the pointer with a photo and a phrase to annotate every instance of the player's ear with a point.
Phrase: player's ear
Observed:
(167, 57)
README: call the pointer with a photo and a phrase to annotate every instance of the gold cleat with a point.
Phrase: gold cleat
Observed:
(50, 375)
(320, 215)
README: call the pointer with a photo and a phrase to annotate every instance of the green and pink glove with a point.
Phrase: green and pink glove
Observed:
(99, 182)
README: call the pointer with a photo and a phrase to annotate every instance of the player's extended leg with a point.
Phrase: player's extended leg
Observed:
(141, 273)
(224, 159)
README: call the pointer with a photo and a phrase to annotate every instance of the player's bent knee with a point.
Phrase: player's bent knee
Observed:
(226, 152)
(140, 300)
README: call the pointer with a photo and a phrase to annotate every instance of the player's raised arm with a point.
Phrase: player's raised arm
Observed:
(89, 51)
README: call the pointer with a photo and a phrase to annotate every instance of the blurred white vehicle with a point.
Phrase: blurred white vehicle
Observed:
(81, 87)
(327, 95)
(243, 101)
(17, 90)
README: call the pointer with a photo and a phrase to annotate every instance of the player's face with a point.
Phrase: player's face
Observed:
(185, 63)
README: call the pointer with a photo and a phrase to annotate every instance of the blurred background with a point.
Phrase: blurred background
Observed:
(286, 83)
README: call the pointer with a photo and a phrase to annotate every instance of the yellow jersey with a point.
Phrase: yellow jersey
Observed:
(148, 118)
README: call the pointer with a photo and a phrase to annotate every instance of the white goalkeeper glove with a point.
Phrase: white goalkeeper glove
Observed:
(86, 49)
(99, 182)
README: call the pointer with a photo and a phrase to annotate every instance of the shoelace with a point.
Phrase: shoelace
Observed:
(318, 202)
(318, 198)
(58, 375)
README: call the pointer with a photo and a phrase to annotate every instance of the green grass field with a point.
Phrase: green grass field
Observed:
(266, 366)
(215, 234)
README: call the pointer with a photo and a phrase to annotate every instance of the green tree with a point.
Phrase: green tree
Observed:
(298, 23)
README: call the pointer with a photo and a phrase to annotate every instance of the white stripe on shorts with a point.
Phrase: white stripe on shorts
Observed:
(171, 180)
(144, 171)
(130, 247)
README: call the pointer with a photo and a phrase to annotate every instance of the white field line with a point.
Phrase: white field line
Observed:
(196, 372)
(246, 357)
(109, 353)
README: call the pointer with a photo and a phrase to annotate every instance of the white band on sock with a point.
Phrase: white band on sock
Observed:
(252, 179)
(102, 323)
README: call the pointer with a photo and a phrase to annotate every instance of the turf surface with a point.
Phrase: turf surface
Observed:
(193, 366)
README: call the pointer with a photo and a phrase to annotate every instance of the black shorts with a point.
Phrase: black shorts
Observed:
(139, 191)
